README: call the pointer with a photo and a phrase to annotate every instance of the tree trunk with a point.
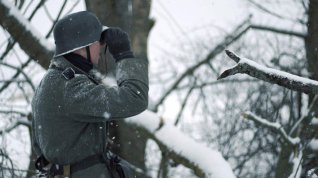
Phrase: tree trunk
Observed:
(284, 168)
(31, 168)
(132, 17)
(311, 45)
(33, 156)
(311, 41)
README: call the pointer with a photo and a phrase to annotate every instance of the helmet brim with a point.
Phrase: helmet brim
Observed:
(72, 50)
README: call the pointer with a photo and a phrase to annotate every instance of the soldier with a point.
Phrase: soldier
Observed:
(70, 108)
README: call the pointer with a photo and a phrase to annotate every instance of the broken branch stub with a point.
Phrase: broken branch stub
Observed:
(274, 76)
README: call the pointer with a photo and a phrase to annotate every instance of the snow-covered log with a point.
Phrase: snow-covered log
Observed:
(204, 161)
(36, 46)
(287, 80)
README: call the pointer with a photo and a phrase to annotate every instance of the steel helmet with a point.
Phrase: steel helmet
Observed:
(76, 31)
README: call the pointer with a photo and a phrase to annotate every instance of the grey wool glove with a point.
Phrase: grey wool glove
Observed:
(118, 43)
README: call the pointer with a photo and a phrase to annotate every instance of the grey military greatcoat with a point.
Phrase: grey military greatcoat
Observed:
(69, 113)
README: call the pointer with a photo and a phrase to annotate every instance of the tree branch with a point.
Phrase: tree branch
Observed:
(232, 37)
(16, 124)
(22, 31)
(259, 6)
(56, 19)
(21, 71)
(266, 10)
(280, 31)
(276, 127)
(18, 71)
(22, 114)
(183, 105)
(307, 116)
(284, 79)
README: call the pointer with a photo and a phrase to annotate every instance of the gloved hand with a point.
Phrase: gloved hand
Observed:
(119, 44)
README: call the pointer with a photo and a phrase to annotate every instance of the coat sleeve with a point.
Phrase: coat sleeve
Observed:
(88, 102)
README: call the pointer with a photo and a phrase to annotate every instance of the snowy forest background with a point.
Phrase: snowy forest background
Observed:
(196, 126)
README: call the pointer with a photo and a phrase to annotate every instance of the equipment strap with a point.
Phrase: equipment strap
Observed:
(77, 71)
(88, 53)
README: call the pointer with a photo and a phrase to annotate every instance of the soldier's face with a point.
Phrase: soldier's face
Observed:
(95, 52)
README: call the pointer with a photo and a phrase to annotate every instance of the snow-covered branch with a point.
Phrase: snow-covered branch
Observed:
(23, 32)
(287, 80)
(276, 127)
(204, 161)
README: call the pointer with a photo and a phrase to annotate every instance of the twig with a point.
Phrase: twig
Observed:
(183, 105)
(14, 112)
(36, 9)
(18, 170)
(21, 71)
(266, 10)
(6, 84)
(16, 124)
(56, 19)
(277, 30)
(276, 127)
(308, 115)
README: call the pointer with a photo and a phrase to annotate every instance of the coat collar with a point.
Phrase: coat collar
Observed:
(62, 64)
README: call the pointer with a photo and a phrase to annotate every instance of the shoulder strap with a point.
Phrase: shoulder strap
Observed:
(76, 71)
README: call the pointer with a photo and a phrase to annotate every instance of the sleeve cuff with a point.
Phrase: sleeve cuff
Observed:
(123, 55)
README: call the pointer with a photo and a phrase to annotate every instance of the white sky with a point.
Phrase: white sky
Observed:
(182, 18)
